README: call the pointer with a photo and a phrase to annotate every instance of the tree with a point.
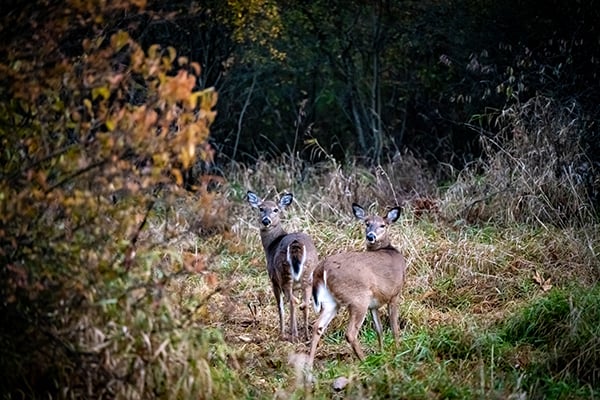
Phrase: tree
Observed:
(94, 130)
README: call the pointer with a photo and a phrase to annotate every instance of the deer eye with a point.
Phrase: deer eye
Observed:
(261, 209)
(276, 210)
(382, 226)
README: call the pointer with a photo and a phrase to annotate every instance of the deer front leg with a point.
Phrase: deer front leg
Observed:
(357, 317)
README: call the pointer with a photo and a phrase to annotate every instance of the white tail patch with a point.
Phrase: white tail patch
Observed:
(323, 297)
(316, 302)
(296, 270)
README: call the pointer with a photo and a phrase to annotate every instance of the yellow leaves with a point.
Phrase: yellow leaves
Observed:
(176, 172)
(160, 160)
(209, 99)
(87, 103)
(119, 40)
(257, 22)
(139, 3)
(153, 51)
(110, 124)
(102, 91)
(188, 146)
(172, 53)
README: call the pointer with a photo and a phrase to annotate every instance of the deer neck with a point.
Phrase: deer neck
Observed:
(271, 235)
(380, 244)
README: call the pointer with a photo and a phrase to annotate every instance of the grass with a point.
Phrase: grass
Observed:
(486, 306)
(500, 300)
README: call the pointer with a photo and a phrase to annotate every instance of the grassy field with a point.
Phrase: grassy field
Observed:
(501, 299)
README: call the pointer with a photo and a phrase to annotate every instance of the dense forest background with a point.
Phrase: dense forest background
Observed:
(130, 130)
(365, 80)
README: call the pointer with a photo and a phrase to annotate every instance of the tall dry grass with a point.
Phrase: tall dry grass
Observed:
(536, 171)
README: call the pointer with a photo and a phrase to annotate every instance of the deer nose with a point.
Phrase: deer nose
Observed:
(266, 221)
(371, 237)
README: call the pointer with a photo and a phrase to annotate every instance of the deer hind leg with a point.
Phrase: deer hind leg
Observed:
(305, 305)
(293, 324)
(328, 312)
(357, 317)
(279, 301)
(378, 328)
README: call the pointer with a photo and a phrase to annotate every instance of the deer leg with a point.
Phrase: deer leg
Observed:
(378, 328)
(279, 301)
(307, 294)
(293, 324)
(357, 317)
(327, 313)
(393, 313)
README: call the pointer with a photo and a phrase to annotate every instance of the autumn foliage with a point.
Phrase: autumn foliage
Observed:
(94, 130)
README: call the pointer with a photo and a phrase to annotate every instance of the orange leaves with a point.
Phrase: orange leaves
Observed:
(179, 88)
(194, 262)
(198, 263)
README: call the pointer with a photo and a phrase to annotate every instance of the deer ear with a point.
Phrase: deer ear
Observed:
(253, 199)
(358, 211)
(393, 215)
(286, 200)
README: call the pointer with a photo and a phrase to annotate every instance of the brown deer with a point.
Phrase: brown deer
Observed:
(362, 281)
(291, 259)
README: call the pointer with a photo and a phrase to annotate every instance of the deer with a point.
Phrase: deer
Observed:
(291, 260)
(360, 281)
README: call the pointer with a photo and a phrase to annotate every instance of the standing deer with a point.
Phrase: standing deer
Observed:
(361, 281)
(291, 259)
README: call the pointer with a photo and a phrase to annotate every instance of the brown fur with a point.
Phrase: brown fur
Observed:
(361, 281)
(285, 254)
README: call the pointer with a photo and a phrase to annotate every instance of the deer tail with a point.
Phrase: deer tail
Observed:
(319, 287)
(296, 257)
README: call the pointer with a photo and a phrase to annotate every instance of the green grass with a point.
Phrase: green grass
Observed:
(564, 328)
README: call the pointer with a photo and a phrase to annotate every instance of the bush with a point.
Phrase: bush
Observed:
(94, 149)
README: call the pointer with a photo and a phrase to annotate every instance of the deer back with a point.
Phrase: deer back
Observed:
(378, 275)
